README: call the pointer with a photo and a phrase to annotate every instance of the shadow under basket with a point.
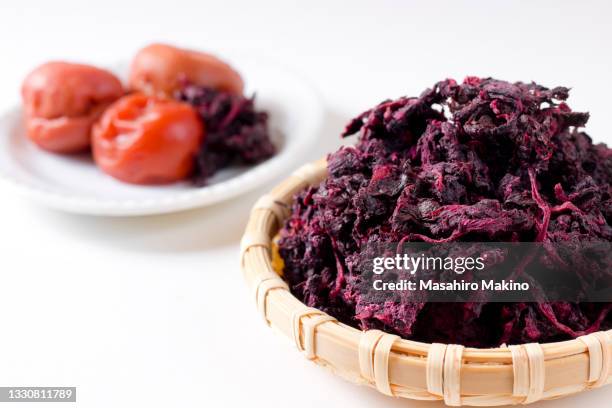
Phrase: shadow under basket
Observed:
(408, 369)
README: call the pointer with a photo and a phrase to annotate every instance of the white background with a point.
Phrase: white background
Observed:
(153, 311)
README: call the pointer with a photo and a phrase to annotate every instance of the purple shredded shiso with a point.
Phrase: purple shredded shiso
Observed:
(485, 160)
(235, 131)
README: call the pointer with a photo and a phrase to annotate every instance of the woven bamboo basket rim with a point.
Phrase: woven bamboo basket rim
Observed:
(403, 368)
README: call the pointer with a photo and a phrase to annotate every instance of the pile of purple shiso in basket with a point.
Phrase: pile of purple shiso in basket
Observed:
(236, 133)
(484, 160)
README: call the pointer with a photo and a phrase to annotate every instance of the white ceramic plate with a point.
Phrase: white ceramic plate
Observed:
(76, 185)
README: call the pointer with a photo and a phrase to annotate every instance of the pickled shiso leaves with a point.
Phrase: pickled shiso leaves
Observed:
(235, 132)
(482, 160)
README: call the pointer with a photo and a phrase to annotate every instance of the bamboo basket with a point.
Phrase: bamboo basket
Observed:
(407, 369)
